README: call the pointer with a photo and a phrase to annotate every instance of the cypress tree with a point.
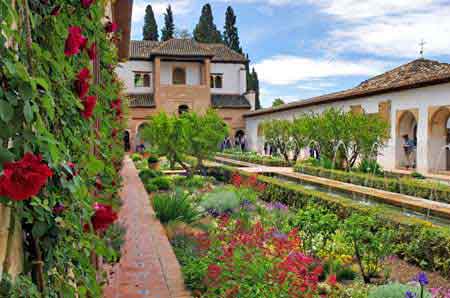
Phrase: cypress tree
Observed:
(230, 34)
(255, 81)
(206, 31)
(150, 29)
(169, 27)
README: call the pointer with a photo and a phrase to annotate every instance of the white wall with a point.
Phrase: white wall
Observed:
(193, 72)
(234, 79)
(420, 98)
(126, 70)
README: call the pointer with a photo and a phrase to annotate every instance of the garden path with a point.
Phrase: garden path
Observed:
(148, 267)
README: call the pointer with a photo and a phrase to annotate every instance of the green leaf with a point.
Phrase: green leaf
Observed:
(28, 112)
(49, 105)
(39, 229)
(42, 82)
(6, 111)
(5, 156)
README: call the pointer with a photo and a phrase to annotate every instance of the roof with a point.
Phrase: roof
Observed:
(415, 74)
(144, 100)
(229, 101)
(179, 47)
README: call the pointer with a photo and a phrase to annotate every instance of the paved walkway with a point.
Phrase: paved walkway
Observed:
(401, 200)
(148, 268)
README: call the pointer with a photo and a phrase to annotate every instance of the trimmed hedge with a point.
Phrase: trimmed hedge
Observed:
(257, 159)
(408, 186)
(417, 241)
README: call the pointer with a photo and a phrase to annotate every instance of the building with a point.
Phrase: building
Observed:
(414, 98)
(181, 75)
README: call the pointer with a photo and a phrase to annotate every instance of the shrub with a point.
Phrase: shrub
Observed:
(136, 157)
(148, 174)
(409, 186)
(396, 290)
(222, 200)
(152, 159)
(115, 238)
(174, 206)
(370, 166)
(160, 183)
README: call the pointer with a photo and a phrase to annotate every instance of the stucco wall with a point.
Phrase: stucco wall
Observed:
(420, 99)
(126, 70)
(234, 79)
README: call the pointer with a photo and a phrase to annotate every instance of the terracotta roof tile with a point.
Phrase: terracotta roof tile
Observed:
(142, 49)
(415, 74)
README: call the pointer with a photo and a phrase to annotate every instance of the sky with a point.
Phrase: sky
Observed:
(306, 48)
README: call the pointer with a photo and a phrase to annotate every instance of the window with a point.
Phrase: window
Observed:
(217, 81)
(183, 109)
(179, 76)
(142, 79)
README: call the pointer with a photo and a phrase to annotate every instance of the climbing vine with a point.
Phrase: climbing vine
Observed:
(60, 142)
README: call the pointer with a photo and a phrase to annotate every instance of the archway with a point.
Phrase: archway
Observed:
(438, 140)
(239, 139)
(183, 109)
(140, 143)
(406, 141)
(126, 141)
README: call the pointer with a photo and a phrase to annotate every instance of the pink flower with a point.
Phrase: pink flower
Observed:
(111, 27)
(89, 103)
(75, 41)
(24, 178)
(86, 3)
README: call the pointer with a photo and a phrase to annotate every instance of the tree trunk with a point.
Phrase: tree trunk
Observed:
(361, 266)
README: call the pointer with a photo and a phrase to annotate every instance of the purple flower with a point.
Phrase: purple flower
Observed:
(58, 209)
(247, 205)
(409, 294)
(422, 279)
(280, 236)
(277, 206)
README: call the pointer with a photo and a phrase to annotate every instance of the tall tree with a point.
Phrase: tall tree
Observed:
(150, 29)
(206, 31)
(230, 34)
(169, 27)
(255, 82)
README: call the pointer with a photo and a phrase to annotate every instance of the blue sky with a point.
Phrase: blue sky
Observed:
(304, 48)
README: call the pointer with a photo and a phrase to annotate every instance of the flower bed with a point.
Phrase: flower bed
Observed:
(256, 158)
(408, 186)
(416, 241)
(232, 244)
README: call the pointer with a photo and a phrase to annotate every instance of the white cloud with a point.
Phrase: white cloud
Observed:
(179, 7)
(390, 28)
(286, 70)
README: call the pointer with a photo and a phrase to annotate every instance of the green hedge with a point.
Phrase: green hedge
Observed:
(409, 186)
(417, 241)
(257, 159)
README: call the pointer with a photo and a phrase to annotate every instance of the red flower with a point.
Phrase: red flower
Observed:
(89, 103)
(214, 271)
(332, 280)
(82, 82)
(103, 217)
(92, 51)
(56, 11)
(75, 41)
(25, 178)
(111, 27)
(86, 3)
(73, 169)
(114, 132)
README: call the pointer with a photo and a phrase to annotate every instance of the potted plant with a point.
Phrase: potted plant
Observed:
(153, 162)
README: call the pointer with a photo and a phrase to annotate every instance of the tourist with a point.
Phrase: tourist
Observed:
(409, 147)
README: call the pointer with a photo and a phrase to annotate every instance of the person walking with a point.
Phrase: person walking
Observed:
(409, 147)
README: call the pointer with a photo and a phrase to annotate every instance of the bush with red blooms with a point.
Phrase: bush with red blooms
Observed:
(239, 262)
(251, 182)
(24, 178)
(103, 217)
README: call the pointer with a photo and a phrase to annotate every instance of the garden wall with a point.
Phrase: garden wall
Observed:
(417, 241)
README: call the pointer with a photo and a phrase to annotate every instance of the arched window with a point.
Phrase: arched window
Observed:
(218, 82)
(179, 76)
(211, 81)
(183, 109)
(146, 80)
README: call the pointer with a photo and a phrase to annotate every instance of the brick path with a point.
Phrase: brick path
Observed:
(148, 268)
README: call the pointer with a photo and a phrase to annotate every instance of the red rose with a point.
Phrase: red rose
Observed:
(214, 271)
(56, 11)
(82, 83)
(25, 178)
(115, 104)
(75, 41)
(111, 27)
(103, 217)
(89, 103)
(92, 51)
(332, 280)
(86, 3)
